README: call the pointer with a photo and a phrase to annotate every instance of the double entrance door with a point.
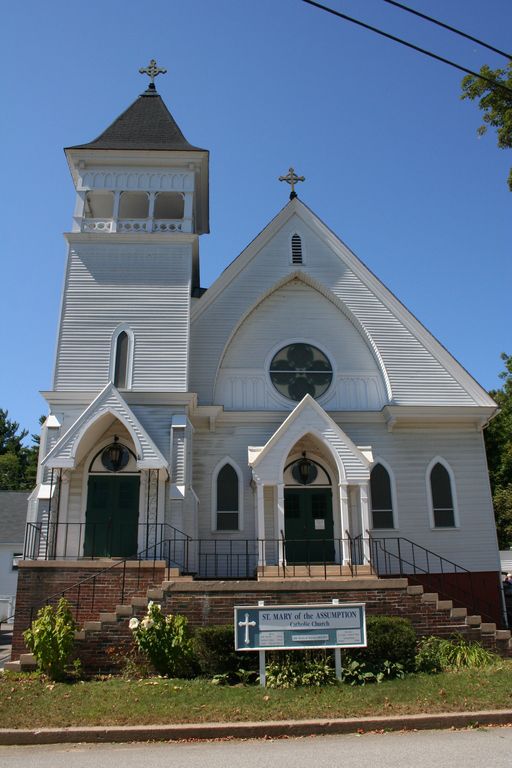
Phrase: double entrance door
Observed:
(112, 516)
(309, 529)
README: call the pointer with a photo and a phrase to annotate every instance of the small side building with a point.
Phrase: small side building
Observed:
(13, 512)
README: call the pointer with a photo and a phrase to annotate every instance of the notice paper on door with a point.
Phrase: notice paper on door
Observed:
(319, 525)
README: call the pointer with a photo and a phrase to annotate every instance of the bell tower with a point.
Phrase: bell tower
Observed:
(133, 261)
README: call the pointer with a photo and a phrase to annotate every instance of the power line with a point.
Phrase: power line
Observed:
(447, 26)
(494, 83)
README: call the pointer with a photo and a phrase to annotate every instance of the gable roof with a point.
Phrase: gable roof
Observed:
(308, 417)
(13, 513)
(146, 124)
(109, 401)
(420, 368)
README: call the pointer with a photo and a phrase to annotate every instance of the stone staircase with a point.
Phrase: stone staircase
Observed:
(301, 572)
(212, 602)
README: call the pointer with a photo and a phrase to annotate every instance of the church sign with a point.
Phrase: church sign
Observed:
(287, 627)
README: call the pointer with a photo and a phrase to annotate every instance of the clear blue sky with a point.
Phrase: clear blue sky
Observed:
(390, 152)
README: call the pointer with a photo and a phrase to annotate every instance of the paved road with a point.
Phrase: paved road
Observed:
(421, 749)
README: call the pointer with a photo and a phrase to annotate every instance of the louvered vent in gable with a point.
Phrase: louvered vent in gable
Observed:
(296, 249)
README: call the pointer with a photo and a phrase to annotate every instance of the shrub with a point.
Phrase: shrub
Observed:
(436, 654)
(214, 648)
(165, 641)
(51, 638)
(357, 673)
(290, 672)
(390, 639)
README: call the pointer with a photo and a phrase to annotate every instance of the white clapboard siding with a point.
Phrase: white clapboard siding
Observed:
(243, 382)
(407, 454)
(416, 373)
(146, 287)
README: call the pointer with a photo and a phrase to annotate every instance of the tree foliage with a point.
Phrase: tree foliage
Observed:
(18, 462)
(495, 103)
(498, 443)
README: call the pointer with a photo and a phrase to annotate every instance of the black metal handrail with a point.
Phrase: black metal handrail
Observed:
(232, 558)
(165, 551)
(409, 559)
(73, 541)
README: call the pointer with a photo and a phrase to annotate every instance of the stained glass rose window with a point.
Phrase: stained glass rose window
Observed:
(300, 369)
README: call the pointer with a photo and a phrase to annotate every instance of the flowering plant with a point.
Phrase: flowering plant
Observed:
(164, 640)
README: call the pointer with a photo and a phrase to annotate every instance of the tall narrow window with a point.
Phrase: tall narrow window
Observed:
(382, 500)
(227, 499)
(121, 361)
(442, 497)
(296, 249)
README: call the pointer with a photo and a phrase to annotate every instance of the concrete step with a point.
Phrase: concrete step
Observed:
(12, 666)
(312, 571)
(108, 618)
(430, 597)
(155, 594)
(92, 626)
(474, 621)
(459, 613)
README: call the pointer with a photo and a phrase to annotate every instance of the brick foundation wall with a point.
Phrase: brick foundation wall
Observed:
(213, 603)
(205, 603)
(37, 580)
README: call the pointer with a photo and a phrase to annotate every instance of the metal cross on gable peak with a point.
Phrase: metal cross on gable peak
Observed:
(152, 71)
(292, 179)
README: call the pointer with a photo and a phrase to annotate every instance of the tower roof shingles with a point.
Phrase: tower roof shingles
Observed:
(146, 124)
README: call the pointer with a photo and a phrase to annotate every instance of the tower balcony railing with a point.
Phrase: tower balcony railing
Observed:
(103, 225)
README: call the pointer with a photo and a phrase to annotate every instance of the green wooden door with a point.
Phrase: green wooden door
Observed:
(309, 528)
(112, 516)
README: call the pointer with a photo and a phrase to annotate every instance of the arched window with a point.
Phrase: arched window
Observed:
(227, 499)
(121, 357)
(381, 497)
(443, 508)
(296, 249)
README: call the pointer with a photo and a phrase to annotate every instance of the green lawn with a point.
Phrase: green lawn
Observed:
(29, 701)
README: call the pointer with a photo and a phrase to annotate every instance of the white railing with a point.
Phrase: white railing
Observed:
(97, 225)
(133, 225)
(137, 225)
(168, 225)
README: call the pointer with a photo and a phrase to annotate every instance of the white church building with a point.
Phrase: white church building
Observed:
(293, 415)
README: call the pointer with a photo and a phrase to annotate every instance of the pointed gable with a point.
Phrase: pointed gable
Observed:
(66, 453)
(418, 368)
(309, 418)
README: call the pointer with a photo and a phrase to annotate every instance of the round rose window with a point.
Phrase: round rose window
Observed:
(300, 369)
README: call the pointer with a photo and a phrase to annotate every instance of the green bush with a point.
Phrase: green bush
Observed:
(51, 638)
(292, 672)
(390, 639)
(214, 648)
(436, 654)
(165, 641)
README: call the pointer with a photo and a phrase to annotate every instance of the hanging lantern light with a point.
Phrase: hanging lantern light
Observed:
(304, 471)
(115, 456)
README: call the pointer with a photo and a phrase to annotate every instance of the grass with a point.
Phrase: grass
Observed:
(30, 701)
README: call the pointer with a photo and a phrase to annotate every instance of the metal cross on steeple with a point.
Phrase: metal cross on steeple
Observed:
(291, 178)
(152, 70)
